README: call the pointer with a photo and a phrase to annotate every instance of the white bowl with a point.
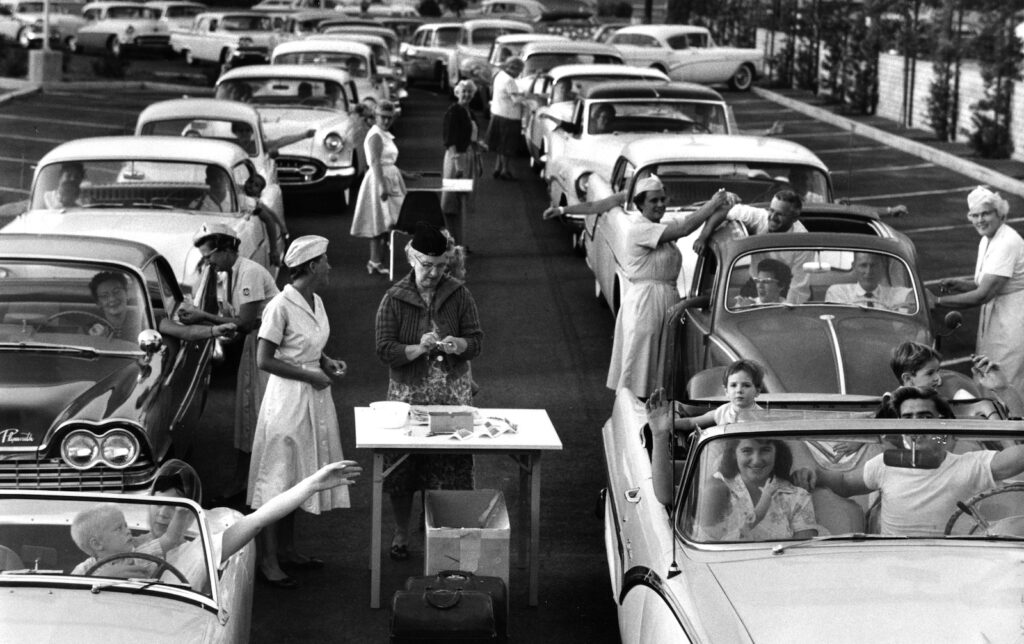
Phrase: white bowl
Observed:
(391, 414)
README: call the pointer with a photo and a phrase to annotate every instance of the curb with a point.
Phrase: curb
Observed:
(23, 91)
(968, 168)
(115, 85)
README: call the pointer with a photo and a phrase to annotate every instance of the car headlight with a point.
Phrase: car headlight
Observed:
(581, 186)
(130, 30)
(334, 142)
(245, 41)
(80, 449)
(117, 448)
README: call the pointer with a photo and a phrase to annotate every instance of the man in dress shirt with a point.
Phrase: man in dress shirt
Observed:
(868, 290)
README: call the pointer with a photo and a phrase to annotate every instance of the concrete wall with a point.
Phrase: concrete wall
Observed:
(893, 86)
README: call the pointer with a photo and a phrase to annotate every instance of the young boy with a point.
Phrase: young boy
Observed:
(102, 531)
(916, 365)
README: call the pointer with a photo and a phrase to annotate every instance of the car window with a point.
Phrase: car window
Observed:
(182, 11)
(420, 38)
(690, 183)
(540, 63)
(484, 35)
(310, 93)
(52, 302)
(699, 40)
(239, 132)
(357, 66)
(657, 116)
(447, 37)
(140, 12)
(841, 277)
(246, 23)
(678, 41)
(903, 459)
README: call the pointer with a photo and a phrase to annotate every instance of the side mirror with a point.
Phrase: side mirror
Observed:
(150, 342)
(953, 321)
(912, 459)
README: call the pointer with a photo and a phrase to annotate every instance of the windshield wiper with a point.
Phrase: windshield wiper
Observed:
(846, 536)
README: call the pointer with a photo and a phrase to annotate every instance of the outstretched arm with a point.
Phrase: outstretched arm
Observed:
(587, 207)
(243, 530)
(712, 214)
(988, 287)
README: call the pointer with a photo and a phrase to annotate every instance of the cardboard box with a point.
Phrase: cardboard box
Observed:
(467, 530)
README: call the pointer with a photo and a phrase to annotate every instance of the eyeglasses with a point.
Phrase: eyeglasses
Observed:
(431, 266)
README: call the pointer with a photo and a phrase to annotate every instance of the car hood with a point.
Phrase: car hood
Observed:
(169, 232)
(602, 150)
(926, 594)
(39, 391)
(805, 356)
(77, 615)
(285, 121)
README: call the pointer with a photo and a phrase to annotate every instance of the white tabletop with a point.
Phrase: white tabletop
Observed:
(535, 433)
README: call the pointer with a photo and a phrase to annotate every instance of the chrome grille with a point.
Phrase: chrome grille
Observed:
(29, 472)
(299, 170)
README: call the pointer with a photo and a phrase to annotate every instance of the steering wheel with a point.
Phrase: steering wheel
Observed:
(1007, 526)
(162, 564)
(85, 314)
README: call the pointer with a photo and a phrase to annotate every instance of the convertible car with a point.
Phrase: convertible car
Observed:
(45, 602)
(85, 405)
(679, 574)
(153, 190)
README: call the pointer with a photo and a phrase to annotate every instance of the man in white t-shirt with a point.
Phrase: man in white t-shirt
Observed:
(918, 501)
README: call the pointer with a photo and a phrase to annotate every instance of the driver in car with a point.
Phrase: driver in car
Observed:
(602, 120)
(869, 290)
(102, 532)
(918, 501)
(68, 192)
(218, 195)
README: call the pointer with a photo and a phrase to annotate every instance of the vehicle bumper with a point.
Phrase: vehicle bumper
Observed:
(298, 174)
(248, 56)
(151, 43)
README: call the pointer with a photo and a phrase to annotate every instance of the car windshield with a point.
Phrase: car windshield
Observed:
(247, 23)
(356, 66)
(305, 92)
(663, 115)
(82, 304)
(136, 184)
(132, 12)
(448, 37)
(913, 474)
(685, 41)
(540, 63)
(835, 276)
(183, 11)
(238, 132)
(36, 538)
(688, 184)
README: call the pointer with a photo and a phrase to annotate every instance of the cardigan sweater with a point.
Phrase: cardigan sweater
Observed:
(458, 127)
(403, 318)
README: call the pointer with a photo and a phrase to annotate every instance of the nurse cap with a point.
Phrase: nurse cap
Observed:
(304, 249)
(648, 184)
(208, 230)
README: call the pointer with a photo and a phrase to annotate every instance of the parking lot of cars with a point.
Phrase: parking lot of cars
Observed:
(511, 241)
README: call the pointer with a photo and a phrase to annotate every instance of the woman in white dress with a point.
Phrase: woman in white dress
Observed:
(998, 285)
(652, 264)
(383, 189)
(297, 431)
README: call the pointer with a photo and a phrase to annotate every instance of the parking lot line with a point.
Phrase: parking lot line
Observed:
(921, 193)
(42, 139)
(34, 118)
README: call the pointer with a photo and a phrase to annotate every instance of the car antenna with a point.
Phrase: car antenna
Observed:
(673, 568)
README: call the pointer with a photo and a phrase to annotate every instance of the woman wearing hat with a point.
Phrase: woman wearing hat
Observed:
(383, 189)
(997, 287)
(504, 130)
(427, 330)
(243, 290)
(652, 264)
(297, 430)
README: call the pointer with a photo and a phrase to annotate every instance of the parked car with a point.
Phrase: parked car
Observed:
(85, 408)
(603, 31)
(550, 98)
(692, 167)
(389, 69)
(541, 56)
(287, 6)
(427, 55)
(521, 10)
(689, 53)
(675, 580)
(299, 24)
(576, 148)
(482, 71)
(330, 163)
(177, 14)
(118, 28)
(475, 41)
(41, 555)
(229, 38)
(403, 26)
(356, 58)
(153, 190)
(230, 121)
(22, 22)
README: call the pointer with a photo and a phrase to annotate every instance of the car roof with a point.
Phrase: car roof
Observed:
(214, 108)
(313, 72)
(162, 4)
(477, 23)
(347, 36)
(529, 3)
(309, 14)
(568, 46)
(439, 25)
(228, 12)
(91, 249)
(601, 69)
(662, 30)
(665, 90)
(362, 28)
(338, 45)
(525, 37)
(163, 148)
(105, 4)
(705, 148)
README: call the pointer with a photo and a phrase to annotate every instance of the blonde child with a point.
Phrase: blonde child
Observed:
(102, 531)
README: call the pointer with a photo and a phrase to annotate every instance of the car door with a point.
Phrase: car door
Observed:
(700, 62)
(697, 322)
(186, 364)
(536, 97)
(641, 50)
(89, 36)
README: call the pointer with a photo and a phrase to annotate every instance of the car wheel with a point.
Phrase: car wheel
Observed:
(742, 79)
(114, 46)
(24, 41)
